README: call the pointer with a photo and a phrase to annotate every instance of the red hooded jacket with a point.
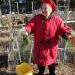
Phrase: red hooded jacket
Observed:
(46, 34)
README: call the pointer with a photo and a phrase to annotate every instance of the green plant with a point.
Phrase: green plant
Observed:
(25, 46)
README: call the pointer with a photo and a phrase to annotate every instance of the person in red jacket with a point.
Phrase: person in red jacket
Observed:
(47, 27)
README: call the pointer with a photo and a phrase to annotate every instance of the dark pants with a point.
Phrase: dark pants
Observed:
(50, 67)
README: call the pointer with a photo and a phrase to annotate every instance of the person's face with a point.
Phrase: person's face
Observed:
(46, 10)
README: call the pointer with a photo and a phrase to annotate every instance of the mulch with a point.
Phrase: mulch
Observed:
(5, 73)
(61, 69)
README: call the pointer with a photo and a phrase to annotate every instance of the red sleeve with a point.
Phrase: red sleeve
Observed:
(63, 28)
(30, 26)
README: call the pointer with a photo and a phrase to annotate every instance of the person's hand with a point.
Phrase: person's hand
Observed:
(71, 39)
(23, 32)
(69, 36)
(73, 33)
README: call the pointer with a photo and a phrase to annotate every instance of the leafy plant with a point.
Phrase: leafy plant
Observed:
(25, 47)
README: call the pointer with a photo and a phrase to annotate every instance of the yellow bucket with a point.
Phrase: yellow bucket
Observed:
(24, 69)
